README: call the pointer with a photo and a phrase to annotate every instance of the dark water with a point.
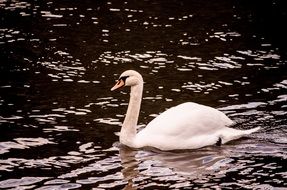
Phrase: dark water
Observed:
(59, 60)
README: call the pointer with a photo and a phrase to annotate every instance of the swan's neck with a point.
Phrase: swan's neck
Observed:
(128, 130)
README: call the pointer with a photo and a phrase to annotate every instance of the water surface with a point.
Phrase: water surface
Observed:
(59, 60)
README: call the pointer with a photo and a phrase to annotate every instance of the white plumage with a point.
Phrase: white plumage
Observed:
(186, 126)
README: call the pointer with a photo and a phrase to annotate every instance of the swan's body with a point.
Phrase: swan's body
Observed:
(186, 126)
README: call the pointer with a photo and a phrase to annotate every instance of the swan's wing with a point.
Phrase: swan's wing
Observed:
(188, 119)
(185, 126)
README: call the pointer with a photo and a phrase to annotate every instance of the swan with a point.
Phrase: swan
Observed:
(186, 126)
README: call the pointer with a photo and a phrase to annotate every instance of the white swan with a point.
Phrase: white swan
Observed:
(186, 126)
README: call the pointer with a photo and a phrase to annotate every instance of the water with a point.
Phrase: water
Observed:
(59, 60)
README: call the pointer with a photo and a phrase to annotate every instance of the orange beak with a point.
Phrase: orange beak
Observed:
(120, 83)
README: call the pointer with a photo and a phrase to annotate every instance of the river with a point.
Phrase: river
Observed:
(58, 117)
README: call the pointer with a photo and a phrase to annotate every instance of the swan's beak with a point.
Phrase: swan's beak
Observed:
(120, 83)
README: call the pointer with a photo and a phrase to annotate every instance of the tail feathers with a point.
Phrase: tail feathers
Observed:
(232, 134)
(249, 131)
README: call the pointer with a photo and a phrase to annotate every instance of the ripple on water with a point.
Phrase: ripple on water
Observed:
(14, 5)
(10, 36)
(48, 14)
(110, 121)
(258, 56)
(72, 110)
(10, 119)
(154, 60)
(63, 66)
(224, 36)
(64, 186)
(277, 86)
(86, 153)
(46, 118)
(60, 128)
(204, 87)
(23, 143)
(104, 181)
(22, 182)
(259, 160)
(104, 165)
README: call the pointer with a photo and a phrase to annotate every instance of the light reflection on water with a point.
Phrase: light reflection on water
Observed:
(129, 168)
(59, 119)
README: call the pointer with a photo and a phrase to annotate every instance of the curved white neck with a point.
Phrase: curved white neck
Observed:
(128, 130)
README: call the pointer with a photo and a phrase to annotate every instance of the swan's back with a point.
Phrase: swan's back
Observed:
(190, 117)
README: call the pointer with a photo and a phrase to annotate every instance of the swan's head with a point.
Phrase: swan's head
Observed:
(128, 78)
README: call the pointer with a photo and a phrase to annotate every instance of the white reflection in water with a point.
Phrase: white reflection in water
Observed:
(147, 169)
(63, 66)
(250, 105)
(225, 36)
(104, 165)
(24, 181)
(191, 164)
(277, 86)
(48, 14)
(201, 87)
(259, 55)
(23, 143)
(154, 60)
(86, 152)
(71, 110)
(110, 121)
(10, 119)
(60, 128)
(64, 186)
(199, 165)
(14, 5)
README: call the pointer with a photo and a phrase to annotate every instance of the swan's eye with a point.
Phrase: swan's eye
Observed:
(123, 78)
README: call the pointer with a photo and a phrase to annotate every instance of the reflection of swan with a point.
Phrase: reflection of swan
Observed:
(192, 165)
(146, 165)
(186, 126)
(130, 166)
